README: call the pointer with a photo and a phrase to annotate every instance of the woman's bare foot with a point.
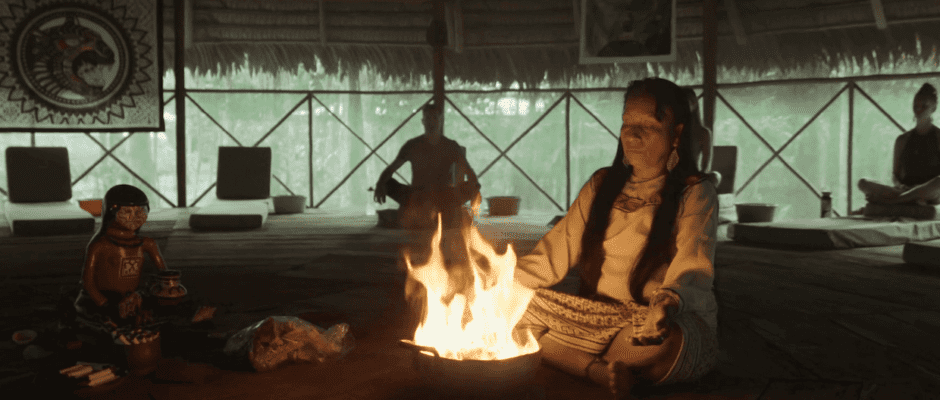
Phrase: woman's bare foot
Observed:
(621, 379)
(885, 197)
(878, 193)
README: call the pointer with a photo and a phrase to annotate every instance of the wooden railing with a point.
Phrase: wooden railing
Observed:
(850, 88)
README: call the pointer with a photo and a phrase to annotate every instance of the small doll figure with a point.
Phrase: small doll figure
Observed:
(114, 258)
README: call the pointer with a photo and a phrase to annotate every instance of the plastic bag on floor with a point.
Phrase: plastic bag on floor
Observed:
(283, 339)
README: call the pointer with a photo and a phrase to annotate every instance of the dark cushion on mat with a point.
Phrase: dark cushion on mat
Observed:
(922, 253)
(244, 173)
(902, 210)
(725, 162)
(836, 233)
(48, 218)
(209, 222)
(38, 174)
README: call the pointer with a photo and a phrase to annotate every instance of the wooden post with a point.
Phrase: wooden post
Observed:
(568, 149)
(354, 120)
(438, 74)
(576, 14)
(188, 24)
(322, 16)
(179, 66)
(709, 61)
(851, 139)
(879, 11)
(456, 18)
(310, 144)
(737, 24)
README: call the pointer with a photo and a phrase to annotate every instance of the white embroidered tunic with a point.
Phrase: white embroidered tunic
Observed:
(691, 272)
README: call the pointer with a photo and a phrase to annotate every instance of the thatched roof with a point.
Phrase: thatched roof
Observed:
(526, 40)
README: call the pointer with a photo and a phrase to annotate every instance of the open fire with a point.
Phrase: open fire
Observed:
(478, 323)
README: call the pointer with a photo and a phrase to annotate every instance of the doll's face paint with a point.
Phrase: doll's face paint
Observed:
(131, 217)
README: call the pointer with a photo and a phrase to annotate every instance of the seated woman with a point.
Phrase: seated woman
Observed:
(702, 141)
(109, 295)
(916, 168)
(643, 233)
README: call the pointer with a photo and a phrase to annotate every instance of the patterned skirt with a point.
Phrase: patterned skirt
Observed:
(590, 326)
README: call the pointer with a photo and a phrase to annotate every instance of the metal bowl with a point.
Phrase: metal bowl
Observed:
(503, 205)
(755, 212)
(475, 378)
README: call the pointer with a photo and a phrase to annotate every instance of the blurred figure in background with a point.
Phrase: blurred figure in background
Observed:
(916, 167)
(442, 179)
(702, 140)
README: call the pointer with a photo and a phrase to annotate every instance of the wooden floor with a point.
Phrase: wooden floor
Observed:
(845, 324)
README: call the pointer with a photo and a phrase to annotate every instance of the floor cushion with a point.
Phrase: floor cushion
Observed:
(902, 210)
(48, 218)
(220, 215)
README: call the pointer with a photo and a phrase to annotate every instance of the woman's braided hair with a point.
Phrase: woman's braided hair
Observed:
(660, 246)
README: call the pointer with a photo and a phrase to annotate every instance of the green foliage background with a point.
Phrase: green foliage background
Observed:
(775, 111)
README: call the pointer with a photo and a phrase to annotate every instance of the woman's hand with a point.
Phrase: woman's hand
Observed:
(658, 322)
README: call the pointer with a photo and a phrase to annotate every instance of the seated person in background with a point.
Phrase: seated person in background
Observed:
(702, 140)
(442, 179)
(916, 169)
(114, 259)
(642, 232)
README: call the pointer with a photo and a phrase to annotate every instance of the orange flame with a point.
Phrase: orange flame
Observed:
(494, 304)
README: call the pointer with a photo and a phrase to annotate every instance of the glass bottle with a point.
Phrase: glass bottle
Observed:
(826, 205)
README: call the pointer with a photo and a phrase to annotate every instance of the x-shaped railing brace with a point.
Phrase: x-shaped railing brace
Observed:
(862, 92)
(776, 152)
(109, 153)
(306, 98)
(372, 150)
(850, 85)
(502, 152)
(265, 136)
(591, 113)
(485, 137)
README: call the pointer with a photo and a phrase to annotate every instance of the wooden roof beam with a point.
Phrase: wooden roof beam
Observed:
(822, 28)
(734, 18)
(322, 12)
(576, 15)
(187, 24)
(455, 36)
(878, 9)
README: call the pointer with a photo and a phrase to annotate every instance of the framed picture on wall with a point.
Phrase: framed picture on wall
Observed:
(81, 65)
(627, 31)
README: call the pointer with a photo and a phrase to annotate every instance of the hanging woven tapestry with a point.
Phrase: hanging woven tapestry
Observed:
(81, 65)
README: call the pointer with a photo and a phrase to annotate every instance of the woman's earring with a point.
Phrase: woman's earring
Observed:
(673, 160)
